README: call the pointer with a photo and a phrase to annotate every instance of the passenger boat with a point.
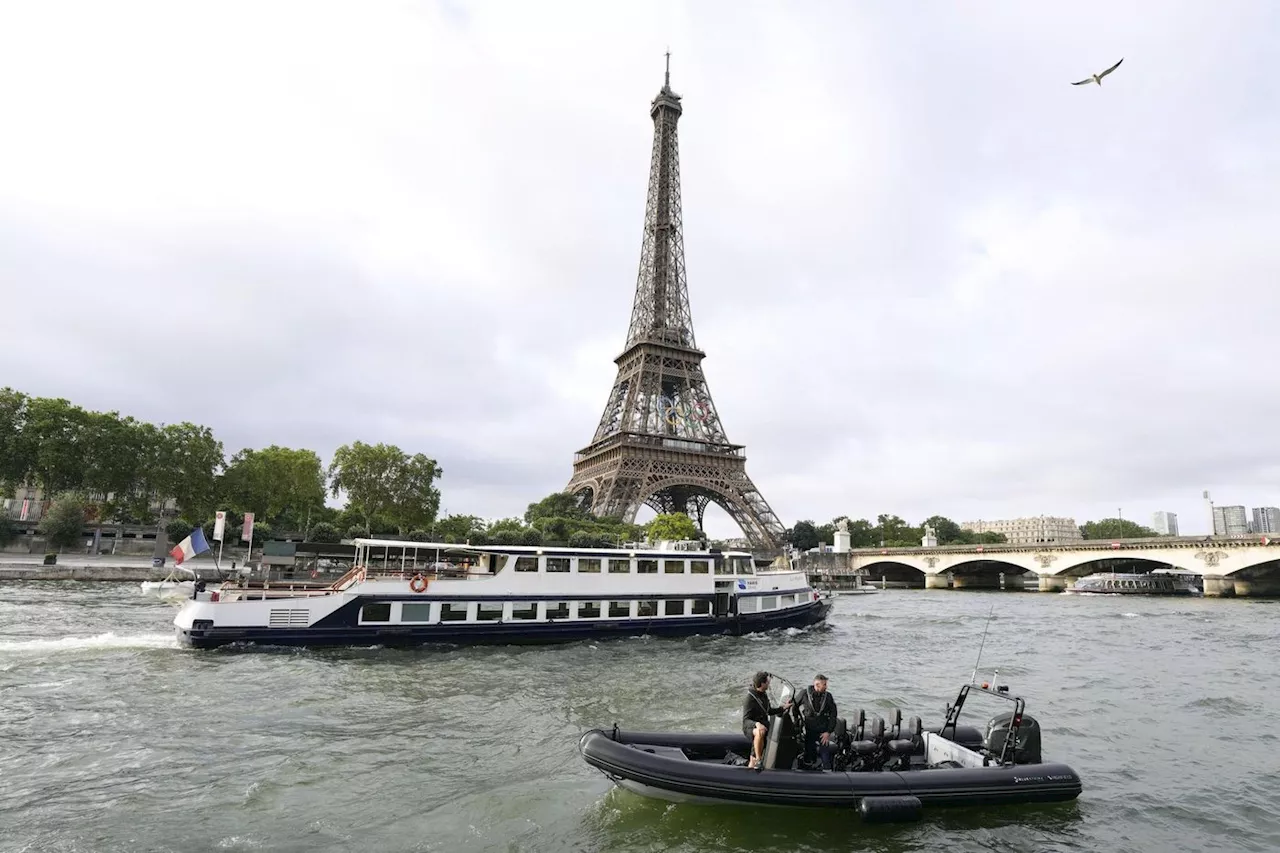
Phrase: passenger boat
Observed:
(888, 773)
(1153, 583)
(411, 593)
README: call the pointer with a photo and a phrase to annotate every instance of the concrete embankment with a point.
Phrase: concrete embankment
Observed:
(122, 574)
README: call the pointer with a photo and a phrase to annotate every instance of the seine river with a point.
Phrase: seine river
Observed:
(114, 739)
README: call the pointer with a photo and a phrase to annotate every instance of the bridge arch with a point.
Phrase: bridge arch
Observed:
(894, 573)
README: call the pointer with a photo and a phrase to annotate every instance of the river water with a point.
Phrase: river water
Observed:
(114, 739)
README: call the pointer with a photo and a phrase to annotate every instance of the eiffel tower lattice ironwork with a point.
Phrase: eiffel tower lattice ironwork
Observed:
(660, 441)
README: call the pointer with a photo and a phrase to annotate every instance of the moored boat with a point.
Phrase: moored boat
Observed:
(886, 772)
(412, 593)
(1150, 583)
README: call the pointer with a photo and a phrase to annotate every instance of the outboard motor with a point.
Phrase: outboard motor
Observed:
(1026, 750)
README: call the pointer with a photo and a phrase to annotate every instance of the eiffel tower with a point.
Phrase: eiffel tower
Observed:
(660, 441)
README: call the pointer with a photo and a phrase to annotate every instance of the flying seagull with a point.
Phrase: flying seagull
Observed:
(1097, 78)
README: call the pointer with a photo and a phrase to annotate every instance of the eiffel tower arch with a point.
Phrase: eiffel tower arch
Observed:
(660, 441)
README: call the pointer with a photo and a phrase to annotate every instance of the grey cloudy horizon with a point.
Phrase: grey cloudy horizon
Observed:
(930, 275)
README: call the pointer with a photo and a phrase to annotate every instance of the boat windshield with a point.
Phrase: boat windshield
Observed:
(780, 690)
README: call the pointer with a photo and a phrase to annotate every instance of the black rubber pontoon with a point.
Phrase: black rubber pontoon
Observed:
(887, 773)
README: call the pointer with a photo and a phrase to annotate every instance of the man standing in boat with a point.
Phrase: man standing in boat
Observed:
(818, 710)
(755, 716)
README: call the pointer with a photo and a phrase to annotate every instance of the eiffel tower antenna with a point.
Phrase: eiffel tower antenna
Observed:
(660, 441)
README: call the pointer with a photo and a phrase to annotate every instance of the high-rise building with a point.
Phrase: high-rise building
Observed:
(1030, 531)
(1230, 521)
(1165, 523)
(1266, 519)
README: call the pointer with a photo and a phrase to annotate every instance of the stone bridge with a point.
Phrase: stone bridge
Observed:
(1243, 566)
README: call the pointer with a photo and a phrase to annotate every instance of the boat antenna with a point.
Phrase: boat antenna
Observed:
(976, 663)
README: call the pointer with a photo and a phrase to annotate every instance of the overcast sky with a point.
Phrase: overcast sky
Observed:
(930, 275)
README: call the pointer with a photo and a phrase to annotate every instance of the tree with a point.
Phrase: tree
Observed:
(63, 524)
(15, 458)
(803, 536)
(381, 479)
(53, 440)
(417, 500)
(280, 485)
(323, 531)
(672, 526)
(185, 463)
(1116, 528)
(459, 529)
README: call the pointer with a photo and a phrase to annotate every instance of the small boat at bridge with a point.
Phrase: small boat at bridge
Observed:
(1158, 582)
(414, 593)
(888, 773)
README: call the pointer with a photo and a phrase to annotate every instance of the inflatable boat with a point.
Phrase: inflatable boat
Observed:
(886, 770)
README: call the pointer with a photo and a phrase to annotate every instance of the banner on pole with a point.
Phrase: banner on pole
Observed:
(26, 508)
(219, 524)
(246, 535)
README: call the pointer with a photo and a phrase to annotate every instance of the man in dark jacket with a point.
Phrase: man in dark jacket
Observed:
(818, 710)
(755, 715)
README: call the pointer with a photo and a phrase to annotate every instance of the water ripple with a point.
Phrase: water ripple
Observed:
(113, 738)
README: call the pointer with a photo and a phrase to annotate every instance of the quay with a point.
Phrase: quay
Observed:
(1245, 566)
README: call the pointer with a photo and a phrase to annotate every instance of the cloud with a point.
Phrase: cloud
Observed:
(929, 274)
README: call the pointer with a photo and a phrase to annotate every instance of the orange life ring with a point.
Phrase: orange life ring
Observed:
(418, 584)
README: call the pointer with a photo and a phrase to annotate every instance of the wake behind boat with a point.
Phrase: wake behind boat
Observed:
(888, 773)
(411, 593)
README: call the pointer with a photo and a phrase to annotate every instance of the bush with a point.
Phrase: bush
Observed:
(324, 532)
(63, 524)
(8, 532)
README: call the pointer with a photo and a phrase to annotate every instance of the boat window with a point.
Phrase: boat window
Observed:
(789, 599)
(619, 567)
(646, 608)
(588, 610)
(558, 610)
(769, 602)
(699, 567)
(701, 607)
(723, 567)
(524, 610)
(378, 612)
(526, 564)
(619, 608)
(557, 564)
(453, 611)
(589, 565)
(673, 567)
(489, 611)
(647, 567)
(410, 612)
(748, 605)
(673, 607)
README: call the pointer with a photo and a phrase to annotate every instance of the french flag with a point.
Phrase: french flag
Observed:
(189, 547)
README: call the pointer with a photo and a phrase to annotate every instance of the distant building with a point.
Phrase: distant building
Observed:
(1230, 521)
(1266, 519)
(1039, 529)
(1165, 523)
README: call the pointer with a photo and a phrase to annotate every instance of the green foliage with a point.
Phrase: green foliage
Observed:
(63, 524)
(671, 526)
(279, 485)
(323, 531)
(178, 529)
(383, 480)
(1116, 528)
(15, 461)
(8, 531)
(889, 531)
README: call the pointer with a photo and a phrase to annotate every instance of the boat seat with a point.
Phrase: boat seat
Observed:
(868, 737)
(906, 745)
